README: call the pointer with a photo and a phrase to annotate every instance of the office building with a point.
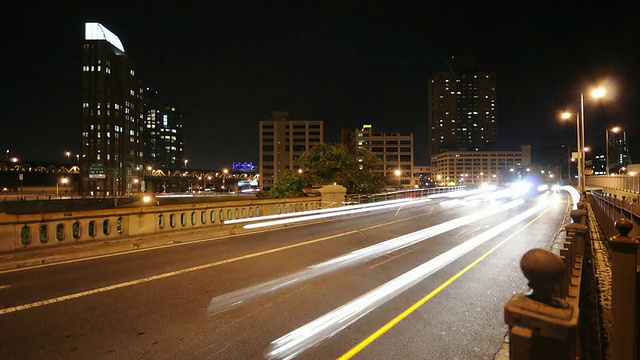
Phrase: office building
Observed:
(477, 167)
(462, 109)
(394, 151)
(422, 176)
(281, 142)
(163, 135)
(112, 118)
(617, 150)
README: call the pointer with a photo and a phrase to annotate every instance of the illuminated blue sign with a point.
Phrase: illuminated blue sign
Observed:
(243, 166)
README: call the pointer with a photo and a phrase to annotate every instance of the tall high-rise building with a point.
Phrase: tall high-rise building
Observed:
(462, 109)
(617, 150)
(163, 135)
(282, 141)
(112, 122)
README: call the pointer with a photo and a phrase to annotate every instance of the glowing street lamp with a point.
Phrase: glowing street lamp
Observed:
(596, 94)
(64, 182)
(185, 163)
(566, 115)
(224, 176)
(68, 153)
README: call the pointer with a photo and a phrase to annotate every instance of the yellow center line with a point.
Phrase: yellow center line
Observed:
(371, 338)
(183, 271)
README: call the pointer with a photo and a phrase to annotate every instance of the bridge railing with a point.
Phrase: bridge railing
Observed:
(552, 321)
(399, 194)
(627, 183)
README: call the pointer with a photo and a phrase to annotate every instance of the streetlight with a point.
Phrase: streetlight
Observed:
(224, 175)
(68, 153)
(615, 130)
(64, 182)
(185, 163)
(566, 115)
(136, 181)
(568, 162)
(596, 94)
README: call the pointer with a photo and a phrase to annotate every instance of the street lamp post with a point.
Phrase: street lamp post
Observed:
(68, 153)
(568, 162)
(567, 115)
(63, 181)
(615, 130)
(224, 175)
(596, 93)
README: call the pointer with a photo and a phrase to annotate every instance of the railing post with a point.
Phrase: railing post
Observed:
(623, 291)
(580, 229)
(541, 326)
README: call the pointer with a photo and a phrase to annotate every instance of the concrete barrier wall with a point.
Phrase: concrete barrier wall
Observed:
(30, 231)
(627, 183)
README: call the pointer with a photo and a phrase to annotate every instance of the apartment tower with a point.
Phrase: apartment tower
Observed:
(281, 142)
(462, 109)
(163, 135)
(112, 122)
(394, 151)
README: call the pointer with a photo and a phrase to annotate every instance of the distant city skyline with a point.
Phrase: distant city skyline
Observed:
(346, 64)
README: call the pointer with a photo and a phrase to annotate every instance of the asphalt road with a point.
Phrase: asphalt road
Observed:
(245, 296)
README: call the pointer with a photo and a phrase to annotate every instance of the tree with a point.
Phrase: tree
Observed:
(326, 164)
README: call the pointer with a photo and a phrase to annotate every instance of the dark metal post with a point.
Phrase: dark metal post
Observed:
(541, 326)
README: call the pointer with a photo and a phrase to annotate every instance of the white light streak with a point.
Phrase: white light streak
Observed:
(227, 301)
(340, 212)
(398, 202)
(575, 196)
(297, 341)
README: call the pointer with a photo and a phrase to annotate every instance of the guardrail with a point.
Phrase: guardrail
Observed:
(628, 183)
(544, 322)
(549, 321)
(608, 208)
(400, 194)
(27, 231)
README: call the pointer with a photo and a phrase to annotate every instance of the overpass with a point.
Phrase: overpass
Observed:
(604, 205)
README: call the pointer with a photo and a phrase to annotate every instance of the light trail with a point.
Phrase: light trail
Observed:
(309, 215)
(575, 196)
(327, 215)
(229, 300)
(306, 336)
(397, 202)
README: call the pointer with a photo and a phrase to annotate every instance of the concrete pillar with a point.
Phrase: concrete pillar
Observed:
(580, 229)
(332, 195)
(541, 326)
(624, 259)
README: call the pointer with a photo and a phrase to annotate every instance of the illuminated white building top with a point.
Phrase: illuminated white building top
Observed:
(97, 31)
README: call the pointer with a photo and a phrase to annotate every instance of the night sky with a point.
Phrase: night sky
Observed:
(229, 66)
